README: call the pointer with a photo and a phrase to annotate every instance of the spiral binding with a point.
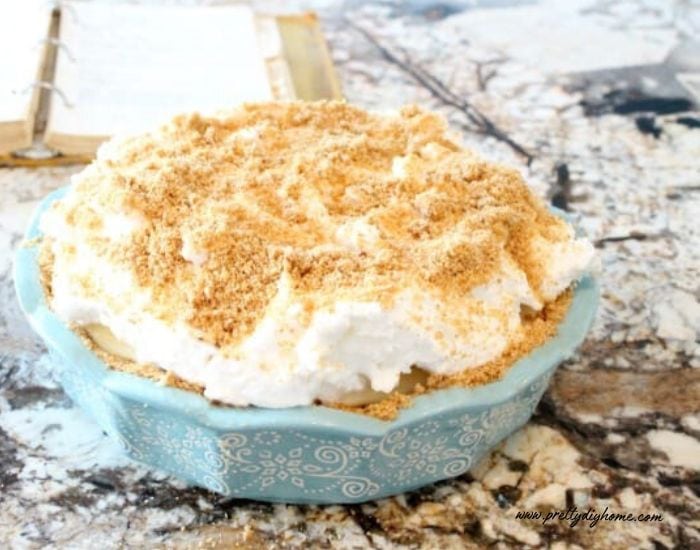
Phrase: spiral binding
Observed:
(62, 8)
(43, 84)
(58, 44)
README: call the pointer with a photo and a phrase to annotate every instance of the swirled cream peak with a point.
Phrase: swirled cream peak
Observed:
(287, 252)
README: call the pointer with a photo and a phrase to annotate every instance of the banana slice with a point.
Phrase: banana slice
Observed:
(407, 382)
(105, 339)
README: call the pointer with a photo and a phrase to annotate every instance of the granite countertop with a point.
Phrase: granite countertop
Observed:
(593, 101)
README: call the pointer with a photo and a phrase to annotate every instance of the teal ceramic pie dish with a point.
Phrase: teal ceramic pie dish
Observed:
(308, 454)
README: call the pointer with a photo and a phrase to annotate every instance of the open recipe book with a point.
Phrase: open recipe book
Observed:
(74, 75)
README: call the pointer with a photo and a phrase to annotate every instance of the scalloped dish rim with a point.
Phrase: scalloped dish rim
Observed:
(570, 334)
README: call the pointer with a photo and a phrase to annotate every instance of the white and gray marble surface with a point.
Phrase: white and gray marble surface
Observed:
(594, 101)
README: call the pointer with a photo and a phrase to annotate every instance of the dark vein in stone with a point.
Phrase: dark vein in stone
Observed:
(634, 236)
(562, 187)
(366, 522)
(480, 123)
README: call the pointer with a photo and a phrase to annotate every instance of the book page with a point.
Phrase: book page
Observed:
(126, 68)
(23, 29)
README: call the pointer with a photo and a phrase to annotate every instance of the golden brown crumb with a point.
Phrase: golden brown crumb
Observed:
(266, 190)
(45, 261)
(341, 203)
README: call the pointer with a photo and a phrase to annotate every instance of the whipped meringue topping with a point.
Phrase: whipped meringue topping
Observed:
(288, 253)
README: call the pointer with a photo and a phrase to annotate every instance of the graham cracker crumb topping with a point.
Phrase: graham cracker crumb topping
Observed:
(343, 203)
